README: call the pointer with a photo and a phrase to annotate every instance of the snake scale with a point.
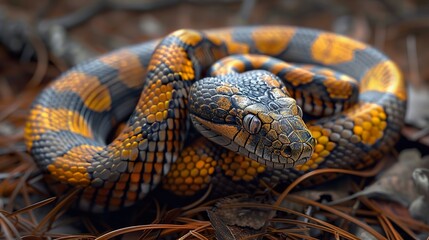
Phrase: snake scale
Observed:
(353, 98)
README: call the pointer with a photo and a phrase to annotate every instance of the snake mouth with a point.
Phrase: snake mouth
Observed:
(301, 161)
(210, 129)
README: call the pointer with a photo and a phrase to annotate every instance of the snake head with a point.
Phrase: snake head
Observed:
(251, 113)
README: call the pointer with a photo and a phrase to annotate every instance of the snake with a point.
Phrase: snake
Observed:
(225, 107)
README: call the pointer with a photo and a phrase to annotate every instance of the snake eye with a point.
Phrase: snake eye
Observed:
(299, 111)
(252, 123)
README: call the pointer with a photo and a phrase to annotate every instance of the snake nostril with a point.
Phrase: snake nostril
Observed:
(287, 150)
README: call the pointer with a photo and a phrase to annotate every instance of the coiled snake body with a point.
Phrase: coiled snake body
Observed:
(249, 113)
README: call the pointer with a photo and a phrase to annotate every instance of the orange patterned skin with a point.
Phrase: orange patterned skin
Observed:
(157, 87)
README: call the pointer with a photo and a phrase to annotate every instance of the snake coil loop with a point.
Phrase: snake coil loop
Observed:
(157, 85)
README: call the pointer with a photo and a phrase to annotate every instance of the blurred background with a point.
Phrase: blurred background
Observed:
(40, 39)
